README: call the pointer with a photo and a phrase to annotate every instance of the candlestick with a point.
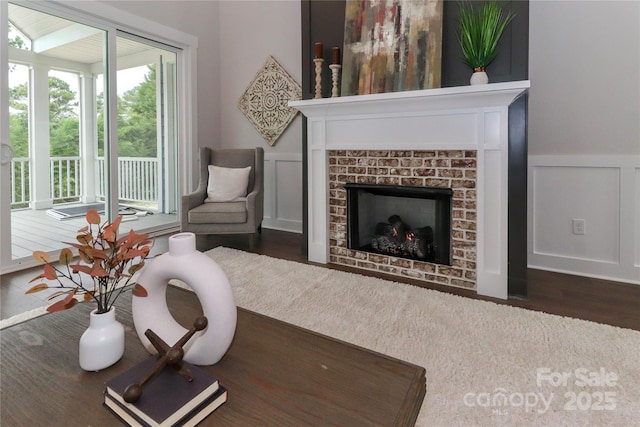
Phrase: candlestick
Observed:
(335, 55)
(319, 51)
(335, 70)
(318, 62)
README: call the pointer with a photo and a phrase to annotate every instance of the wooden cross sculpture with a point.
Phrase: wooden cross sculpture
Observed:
(167, 356)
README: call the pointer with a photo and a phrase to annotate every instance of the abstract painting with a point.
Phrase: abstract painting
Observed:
(265, 101)
(391, 46)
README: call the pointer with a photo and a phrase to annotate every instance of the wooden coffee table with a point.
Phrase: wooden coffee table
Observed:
(277, 374)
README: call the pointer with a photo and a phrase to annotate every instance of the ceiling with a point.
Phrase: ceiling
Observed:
(67, 40)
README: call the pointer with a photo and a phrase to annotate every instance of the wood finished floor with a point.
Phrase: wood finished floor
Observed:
(601, 301)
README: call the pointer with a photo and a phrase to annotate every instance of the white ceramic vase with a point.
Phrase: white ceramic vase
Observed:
(203, 275)
(479, 78)
(102, 344)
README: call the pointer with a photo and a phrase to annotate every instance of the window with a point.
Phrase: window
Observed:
(94, 121)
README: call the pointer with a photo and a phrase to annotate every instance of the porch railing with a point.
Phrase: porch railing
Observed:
(65, 179)
(20, 190)
(137, 177)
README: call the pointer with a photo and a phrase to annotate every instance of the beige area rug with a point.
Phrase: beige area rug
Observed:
(486, 364)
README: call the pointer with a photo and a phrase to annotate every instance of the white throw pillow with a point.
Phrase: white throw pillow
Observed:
(227, 184)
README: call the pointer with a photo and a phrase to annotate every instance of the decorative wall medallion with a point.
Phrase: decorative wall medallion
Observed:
(265, 100)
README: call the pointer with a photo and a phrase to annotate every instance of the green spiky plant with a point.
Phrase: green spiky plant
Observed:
(479, 31)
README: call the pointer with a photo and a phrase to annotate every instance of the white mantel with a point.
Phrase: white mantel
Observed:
(457, 118)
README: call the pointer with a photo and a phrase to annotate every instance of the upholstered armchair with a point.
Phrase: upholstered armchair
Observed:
(220, 204)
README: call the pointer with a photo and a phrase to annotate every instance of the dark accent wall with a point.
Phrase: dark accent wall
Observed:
(517, 203)
(323, 21)
(512, 62)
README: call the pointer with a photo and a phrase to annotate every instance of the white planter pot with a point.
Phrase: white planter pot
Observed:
(203, 275)
(479, 78)
(102, 344)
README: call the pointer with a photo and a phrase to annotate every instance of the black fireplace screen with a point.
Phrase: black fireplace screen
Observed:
(401, 221)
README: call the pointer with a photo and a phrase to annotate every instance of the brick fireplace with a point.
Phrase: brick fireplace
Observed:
(451, 137)
(454, 169)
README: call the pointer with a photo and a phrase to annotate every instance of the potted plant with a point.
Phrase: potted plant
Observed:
(479, 31)
(103, 271)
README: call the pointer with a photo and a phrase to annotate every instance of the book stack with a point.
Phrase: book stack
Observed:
(168, 399)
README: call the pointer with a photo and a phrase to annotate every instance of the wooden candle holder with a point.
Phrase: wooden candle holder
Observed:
(335, 75)
(318, 62)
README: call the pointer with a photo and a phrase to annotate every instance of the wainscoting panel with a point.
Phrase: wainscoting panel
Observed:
(602, 191)
(283, 192)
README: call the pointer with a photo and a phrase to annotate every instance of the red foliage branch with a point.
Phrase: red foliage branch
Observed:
(104, 270)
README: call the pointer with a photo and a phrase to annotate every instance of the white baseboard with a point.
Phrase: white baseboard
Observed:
(282, 225)
(604, 191)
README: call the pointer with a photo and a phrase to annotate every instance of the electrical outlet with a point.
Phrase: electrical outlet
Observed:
(579, 226)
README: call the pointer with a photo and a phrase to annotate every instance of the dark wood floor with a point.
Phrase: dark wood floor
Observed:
(602, 301)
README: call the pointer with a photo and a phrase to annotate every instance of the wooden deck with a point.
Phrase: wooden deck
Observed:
(36, 230)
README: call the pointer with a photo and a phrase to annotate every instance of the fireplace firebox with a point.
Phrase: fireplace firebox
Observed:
(401, 221)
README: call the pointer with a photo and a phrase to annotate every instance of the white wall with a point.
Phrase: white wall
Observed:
(584, 137)
(250, 31)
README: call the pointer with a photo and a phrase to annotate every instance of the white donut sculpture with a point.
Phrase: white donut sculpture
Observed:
(201, 273)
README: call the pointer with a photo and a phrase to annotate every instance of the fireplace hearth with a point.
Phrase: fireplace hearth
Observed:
(401, 221)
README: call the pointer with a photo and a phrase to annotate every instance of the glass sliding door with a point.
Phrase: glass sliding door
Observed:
(91, 123)
(146, 135)
(52, 62)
